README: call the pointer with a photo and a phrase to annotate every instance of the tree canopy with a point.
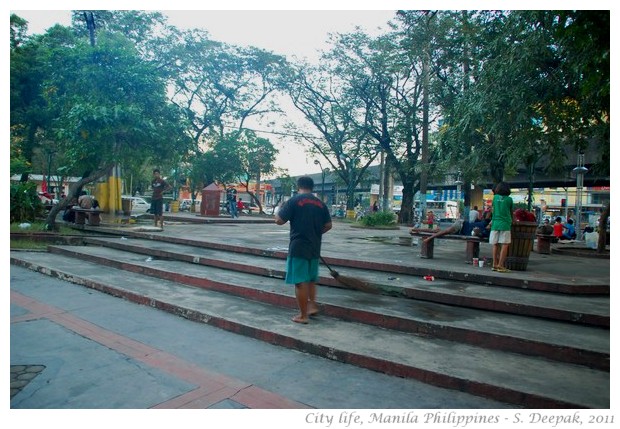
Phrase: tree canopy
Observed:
(482, 92)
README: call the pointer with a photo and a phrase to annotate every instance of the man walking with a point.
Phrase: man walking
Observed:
(309, 220)
(159, 186)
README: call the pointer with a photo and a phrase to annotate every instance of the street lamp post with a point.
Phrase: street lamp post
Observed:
(579, 171)
(317, 162)
(459, 184)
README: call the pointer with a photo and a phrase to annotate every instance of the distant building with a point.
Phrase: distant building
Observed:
(53, 187)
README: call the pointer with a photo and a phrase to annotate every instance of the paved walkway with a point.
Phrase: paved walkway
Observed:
(100, 352)
(385, 245)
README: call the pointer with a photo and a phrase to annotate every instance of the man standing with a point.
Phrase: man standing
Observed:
(159, 186)
(309, 219)
(231, 198)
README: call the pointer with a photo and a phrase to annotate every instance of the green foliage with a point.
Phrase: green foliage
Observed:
(19, 164)
(25, 204)
(514, 87)
(379, 219)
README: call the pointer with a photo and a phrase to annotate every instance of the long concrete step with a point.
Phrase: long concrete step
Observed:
(579, 309)
(510, 377)
(402, 260)
(533, 336)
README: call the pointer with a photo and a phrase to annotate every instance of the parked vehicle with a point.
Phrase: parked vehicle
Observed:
(185, 205)
(443, 210)
(138, 205)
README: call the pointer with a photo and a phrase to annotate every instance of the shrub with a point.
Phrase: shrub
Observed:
(379, 219)
(25, 203)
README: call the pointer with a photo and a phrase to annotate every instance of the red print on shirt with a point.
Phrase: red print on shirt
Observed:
(305, 201)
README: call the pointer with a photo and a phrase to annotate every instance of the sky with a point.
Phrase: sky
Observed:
(293, 33)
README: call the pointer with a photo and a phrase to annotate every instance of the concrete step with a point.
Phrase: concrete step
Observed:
(584, 309)
(533, 336)
(389, 257)
(514, 378)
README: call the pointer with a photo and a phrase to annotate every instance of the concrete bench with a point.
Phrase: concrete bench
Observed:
(472, 244)
(544, 243)
(93, 216)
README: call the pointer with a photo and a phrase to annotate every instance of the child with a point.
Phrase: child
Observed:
(430, 219)
(558, 228)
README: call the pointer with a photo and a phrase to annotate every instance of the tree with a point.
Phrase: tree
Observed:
(220, 87)
(248, 157)
(325, 100)
(29, 67)
(523, 102)
(387, 81)
(109, 106)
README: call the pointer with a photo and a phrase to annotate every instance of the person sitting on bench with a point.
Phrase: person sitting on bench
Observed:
(455, 228)
(568, 231)
(85, 201)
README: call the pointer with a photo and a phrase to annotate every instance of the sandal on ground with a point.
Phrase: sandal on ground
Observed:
(502, 270)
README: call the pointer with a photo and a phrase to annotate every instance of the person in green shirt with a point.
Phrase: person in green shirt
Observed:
(500, 226)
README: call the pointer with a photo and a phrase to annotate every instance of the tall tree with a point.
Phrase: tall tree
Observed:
(325, 100)
(256, 159)
(521, 105)
(30, 116)
(387, 81)
(109, 106)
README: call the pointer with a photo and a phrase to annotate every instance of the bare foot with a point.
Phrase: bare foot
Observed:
(299, 319)
(313, 310)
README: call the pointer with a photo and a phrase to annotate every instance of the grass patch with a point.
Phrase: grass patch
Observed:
(39, 226)
(36, 237)
(28, 244)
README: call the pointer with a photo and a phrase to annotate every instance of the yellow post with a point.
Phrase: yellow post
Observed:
(114, 189)
(101, 193)
(108, 193)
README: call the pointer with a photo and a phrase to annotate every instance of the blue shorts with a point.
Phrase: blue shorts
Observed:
(299, 270)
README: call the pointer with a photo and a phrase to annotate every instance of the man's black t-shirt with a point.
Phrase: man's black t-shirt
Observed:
(307, 215)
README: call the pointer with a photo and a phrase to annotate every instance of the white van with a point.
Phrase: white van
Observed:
(138, 205)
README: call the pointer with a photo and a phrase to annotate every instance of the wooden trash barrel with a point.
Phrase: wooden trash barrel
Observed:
(522, 243)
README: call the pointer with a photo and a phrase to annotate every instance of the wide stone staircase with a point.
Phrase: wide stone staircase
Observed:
(532, 347)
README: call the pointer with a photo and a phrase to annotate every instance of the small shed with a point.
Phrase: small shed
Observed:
(210, 205)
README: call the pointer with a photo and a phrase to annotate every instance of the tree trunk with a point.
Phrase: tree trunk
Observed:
(425, 126)
(406, 207)
(74, 189)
